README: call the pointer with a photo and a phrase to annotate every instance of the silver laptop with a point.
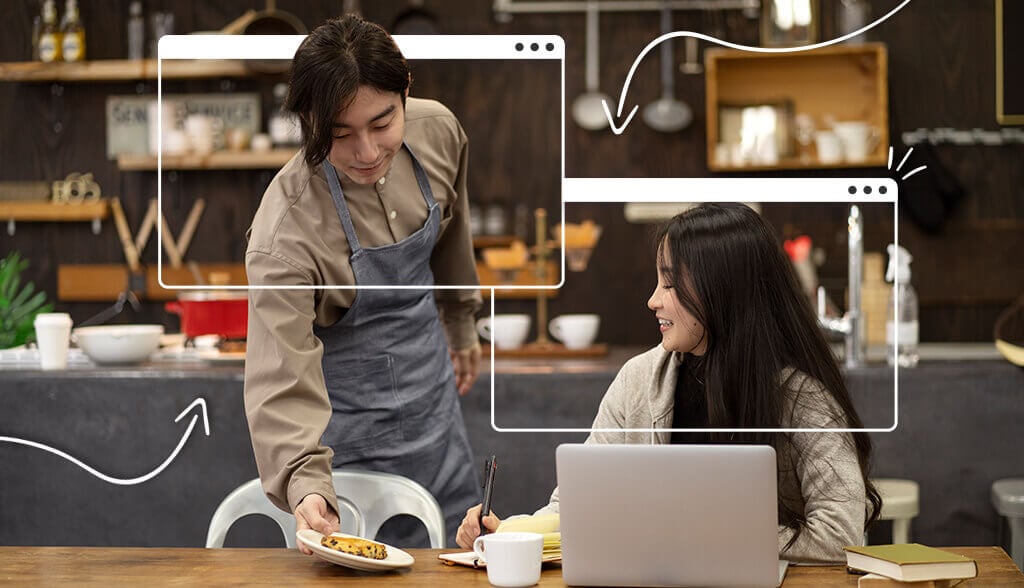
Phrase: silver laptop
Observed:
(668, 515)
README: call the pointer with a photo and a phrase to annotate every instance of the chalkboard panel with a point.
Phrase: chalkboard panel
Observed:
(1010, 62)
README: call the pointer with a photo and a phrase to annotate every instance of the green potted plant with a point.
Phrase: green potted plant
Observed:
(18, 305)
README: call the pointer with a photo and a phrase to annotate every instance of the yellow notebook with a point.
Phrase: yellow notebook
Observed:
(546, 525)
(910, 562)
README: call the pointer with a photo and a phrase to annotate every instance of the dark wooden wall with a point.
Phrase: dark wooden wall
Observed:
(941, 58)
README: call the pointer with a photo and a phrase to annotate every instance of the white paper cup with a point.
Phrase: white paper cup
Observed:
(53, 334)
(507, 331)
(577, 331)
(513, 559)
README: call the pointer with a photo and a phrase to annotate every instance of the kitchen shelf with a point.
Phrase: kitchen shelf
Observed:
(272, 159)
(54, 211)
(484, 241)
(523, 277)
(843, 82)
(112, 70)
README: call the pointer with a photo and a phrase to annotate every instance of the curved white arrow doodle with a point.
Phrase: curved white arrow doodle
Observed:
(129, 481)
(617, 129)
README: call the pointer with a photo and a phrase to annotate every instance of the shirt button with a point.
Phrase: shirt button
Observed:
(393, 214)
(381, 181)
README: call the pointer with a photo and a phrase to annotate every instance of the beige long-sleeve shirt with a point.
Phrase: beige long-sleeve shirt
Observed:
(296, 238)
(819, 468)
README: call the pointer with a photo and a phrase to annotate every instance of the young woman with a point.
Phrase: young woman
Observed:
(741, 348)
(345, 378)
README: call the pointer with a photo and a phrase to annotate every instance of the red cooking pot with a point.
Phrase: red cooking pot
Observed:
(212, 313)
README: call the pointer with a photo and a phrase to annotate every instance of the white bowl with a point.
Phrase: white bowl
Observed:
(108, 344)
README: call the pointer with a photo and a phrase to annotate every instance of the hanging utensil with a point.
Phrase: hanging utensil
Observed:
(124, 298)
(666, 114)
(415, 20)
(587, 110)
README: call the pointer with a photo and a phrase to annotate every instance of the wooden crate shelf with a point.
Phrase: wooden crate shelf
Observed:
(272, 159)
(112, 70)
(844, 82)
(54, 211)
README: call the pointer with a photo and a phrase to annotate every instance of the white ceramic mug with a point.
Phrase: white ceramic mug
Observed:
(172, 112)
(53, 335)
(507, 331)
(203, 132)
(830, 149)
(577, 331)
(261, 142)
(513, 559)
(858, 139)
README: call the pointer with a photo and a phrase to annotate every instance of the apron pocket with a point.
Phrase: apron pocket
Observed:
(365, 409)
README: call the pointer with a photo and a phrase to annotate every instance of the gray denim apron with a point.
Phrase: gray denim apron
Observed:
(390, 380)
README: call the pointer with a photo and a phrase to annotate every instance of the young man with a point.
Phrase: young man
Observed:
(362, 378)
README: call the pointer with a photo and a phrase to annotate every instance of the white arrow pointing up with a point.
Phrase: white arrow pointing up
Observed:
(130, 481)
(617, 129)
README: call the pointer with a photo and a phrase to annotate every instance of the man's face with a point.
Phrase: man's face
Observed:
(367, 135)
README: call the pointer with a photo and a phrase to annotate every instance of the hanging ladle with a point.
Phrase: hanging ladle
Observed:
(586, 109)
(666, 114)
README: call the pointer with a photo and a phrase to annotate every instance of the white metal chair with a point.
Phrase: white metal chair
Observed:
(248, 499)
(1008, 499)
(366, 500)
(900, 504)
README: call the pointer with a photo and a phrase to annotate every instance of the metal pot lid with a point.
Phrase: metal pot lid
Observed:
(213, 295)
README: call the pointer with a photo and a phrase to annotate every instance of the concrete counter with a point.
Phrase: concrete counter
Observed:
(961, 426)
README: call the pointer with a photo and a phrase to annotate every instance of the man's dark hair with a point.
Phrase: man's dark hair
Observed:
(330, 66)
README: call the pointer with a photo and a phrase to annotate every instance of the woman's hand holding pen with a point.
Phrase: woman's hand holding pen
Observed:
(470, 527)
(313, 513)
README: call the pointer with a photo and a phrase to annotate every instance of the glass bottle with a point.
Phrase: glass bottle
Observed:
(73, 43)
(49, 34)
(906, 324)
(283, 126)
(136, 31)
(853, 15)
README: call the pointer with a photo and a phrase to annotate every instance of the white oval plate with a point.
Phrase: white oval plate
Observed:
(396, 558)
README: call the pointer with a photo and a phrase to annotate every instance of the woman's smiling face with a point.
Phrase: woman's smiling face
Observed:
(680, 330)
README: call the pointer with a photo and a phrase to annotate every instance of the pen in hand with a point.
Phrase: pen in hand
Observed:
(490, 467)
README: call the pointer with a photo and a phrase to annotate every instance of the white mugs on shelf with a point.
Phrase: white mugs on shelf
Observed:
(576, 331)
(506, 331)
(830, 149)
(858, 139)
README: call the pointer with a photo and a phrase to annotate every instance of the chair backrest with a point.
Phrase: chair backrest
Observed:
(366, 500)
(247, 499)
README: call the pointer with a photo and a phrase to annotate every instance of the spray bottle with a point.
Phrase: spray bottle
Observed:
(905, 324)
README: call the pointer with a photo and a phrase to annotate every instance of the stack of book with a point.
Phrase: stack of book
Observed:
(546, 525)
(909, 565)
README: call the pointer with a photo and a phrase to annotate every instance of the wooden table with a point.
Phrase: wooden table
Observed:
(149, 566)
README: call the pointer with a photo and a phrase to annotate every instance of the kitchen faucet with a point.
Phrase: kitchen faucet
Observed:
(851, 324)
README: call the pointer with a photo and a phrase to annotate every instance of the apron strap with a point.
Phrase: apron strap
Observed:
(342, 208)
(421, 177)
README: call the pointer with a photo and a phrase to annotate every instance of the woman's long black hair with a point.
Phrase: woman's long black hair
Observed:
(730, 272)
